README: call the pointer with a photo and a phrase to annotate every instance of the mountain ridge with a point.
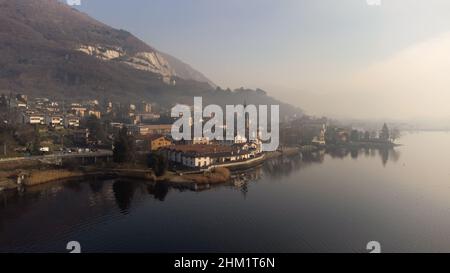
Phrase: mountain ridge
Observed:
(50, 49)
(54, 23)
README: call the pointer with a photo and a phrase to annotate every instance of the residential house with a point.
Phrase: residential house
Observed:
(31, 118)
(71, 121)
(156, 142)
(54, 120)
(78, 111)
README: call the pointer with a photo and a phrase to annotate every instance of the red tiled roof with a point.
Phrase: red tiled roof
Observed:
(205, 149)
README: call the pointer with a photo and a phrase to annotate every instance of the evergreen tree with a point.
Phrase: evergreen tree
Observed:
(366, 135)
(124, 148)
(95, 127)
(36, 145)
(158, 163)
(384, 134)
(330, 136)
(3, 101)
(354, 135)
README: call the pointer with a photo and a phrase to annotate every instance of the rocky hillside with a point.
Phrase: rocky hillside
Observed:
(48, 48)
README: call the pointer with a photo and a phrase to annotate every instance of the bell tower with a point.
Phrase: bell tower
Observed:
(247, 123)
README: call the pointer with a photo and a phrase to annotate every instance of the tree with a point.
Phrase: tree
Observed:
(95, 127)
(36, 145)
(384, 134)
(354, 135)
(158, 163)
(5, 139)
(330, 135)
(124, 147)
(3, 101)
(307, 134)
(395, 134)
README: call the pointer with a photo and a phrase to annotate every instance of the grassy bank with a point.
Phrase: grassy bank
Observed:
(37, 177)
(216, 176)
(34, 172)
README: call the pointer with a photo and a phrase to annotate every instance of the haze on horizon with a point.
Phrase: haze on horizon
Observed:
(337, 58)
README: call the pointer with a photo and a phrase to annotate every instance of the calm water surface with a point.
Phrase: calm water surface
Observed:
(333, 202)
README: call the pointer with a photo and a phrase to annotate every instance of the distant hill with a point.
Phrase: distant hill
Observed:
(48, 48)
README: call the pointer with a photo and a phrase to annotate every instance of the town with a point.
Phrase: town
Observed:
(39, 126)
(139, 136)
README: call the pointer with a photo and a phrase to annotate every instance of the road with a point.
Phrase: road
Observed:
(99, 153)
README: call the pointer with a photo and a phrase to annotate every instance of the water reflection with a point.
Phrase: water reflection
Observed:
(240, 180)
(123, 192)
(73, 185)
(158, 190)
(335, 213)
(282, 166)
(385, 154)
(96, 186)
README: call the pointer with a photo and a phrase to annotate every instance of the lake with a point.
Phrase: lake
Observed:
(336, 201)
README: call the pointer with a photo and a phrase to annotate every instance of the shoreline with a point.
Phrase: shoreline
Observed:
(29, 176)
(34, 176)
(40, 177)
(18, 177)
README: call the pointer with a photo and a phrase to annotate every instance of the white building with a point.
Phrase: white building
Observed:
(54, 120)
(204, 156)
(30, 118)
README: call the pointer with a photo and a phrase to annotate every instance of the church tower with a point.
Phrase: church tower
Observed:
(247, 123)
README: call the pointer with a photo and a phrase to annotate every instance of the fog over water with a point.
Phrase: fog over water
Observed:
(337, 58)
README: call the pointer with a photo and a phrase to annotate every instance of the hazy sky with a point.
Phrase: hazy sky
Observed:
(341, 58)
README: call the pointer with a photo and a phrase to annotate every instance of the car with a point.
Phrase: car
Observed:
(44, 149)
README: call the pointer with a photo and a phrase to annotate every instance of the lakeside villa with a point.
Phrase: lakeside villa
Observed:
(206, 156)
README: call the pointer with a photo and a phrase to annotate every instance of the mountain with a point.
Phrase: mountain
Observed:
(48, 48)
(54, 24)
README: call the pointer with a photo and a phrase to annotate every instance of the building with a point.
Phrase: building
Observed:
(143, 117)
(71, 122)
(204, 156)
(30, 118)
(302, 130)
(154, 129)
(78, 110)
(145, 107)
(54, 120)
(320, 139)
(156, 142)
(95, 113)
(342, 135)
